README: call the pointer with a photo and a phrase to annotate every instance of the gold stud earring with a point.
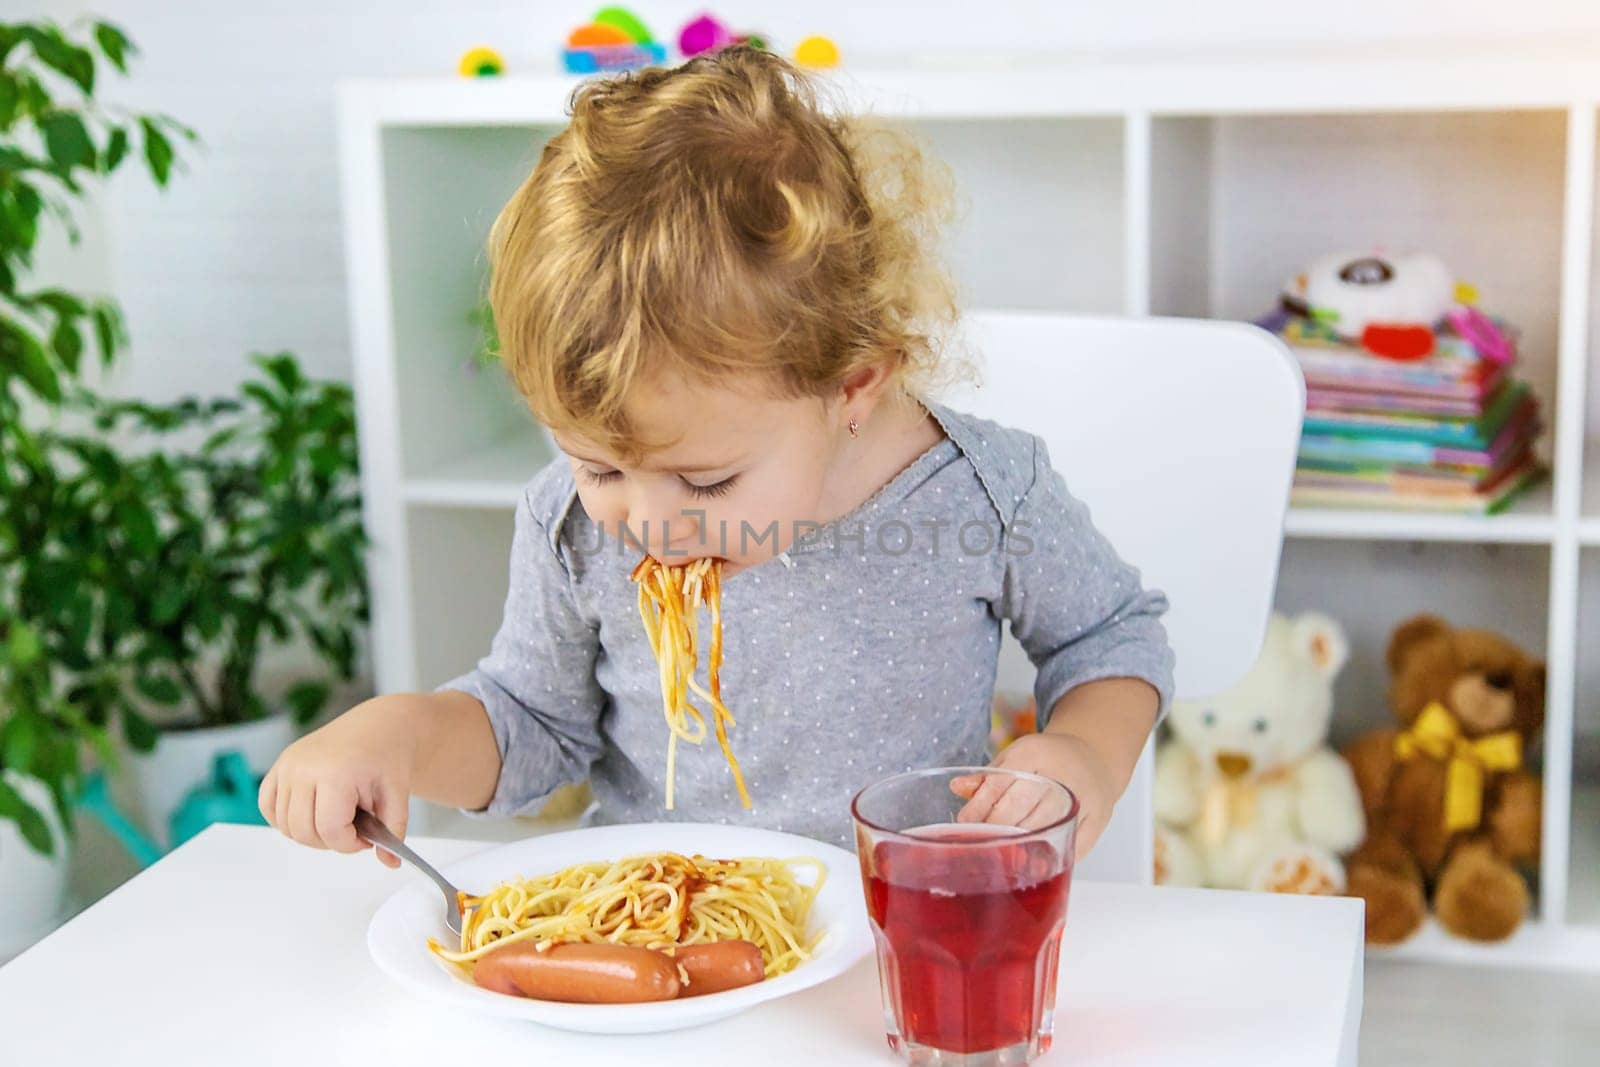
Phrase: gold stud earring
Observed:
(853, 428)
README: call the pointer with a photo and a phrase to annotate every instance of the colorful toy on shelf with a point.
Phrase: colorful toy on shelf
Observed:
(1390, 305)
(1479, 330)
(615, 39)
(620, 18)
(481, 62)
(818, 53)
(703, 34)
(1247, 793)
(1453, 816)
(1411, 397)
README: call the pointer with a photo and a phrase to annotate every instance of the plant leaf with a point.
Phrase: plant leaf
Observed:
(23, 647)
(61, 55)
(159, 688)
(10, 97)
(269, 400)
(139, 731)
(18, 739)
(114, 43)
(157, 151)
(67, 343)
(116, 150)
(284, 370)
(63, 303)
(67, 140)
(306, 699)
(326, 460)
(107, 330)
(30, 823)
(29, 358)
(169, 603)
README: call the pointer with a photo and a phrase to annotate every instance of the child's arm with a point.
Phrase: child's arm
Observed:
(500, 738)
(1105, 668)
(437, 746)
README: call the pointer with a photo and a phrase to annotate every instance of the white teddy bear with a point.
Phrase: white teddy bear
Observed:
(1247, 793)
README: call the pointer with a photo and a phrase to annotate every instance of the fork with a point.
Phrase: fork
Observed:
(371, 829)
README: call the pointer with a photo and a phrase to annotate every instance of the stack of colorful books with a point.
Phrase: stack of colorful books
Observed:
(1453, 431)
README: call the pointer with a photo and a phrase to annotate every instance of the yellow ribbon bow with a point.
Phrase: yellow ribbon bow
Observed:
(1225, 804)
(1436, 734)
(1231, 803)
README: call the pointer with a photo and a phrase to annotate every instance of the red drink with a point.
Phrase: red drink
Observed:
(969, 935)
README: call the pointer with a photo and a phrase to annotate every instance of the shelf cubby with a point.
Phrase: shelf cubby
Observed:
(1016, 242)
(443, 186)
(1499, 587)
(1583, 867)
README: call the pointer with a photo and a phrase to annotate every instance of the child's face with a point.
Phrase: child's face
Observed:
(736, 471)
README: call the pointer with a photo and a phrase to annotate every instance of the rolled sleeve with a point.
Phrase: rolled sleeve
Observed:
(538, 680)
(1079, 610)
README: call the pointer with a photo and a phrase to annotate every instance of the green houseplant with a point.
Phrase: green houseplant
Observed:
(250, 537)
(233, 529)
(56, 142)
(151, 580)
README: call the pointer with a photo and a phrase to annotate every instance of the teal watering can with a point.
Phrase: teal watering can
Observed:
(230, 797)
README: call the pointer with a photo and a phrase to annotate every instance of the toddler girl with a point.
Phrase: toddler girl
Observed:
(720, 299)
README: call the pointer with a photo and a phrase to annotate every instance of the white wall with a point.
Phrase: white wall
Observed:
(243, 253)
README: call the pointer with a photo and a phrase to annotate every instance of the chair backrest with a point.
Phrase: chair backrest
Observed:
(1180, 436)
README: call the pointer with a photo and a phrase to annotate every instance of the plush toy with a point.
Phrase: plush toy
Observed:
(1394, 306)
(1247, 793)
(615, 39)
(1453, 815)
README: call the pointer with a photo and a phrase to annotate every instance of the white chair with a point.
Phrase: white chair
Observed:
(1181, 437)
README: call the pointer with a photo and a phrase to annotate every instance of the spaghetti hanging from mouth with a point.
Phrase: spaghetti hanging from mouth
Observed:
(670, 598)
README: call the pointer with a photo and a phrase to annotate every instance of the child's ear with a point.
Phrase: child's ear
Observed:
(1320, 640)
(864, 387)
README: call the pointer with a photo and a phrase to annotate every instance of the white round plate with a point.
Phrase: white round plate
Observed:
(398, 934)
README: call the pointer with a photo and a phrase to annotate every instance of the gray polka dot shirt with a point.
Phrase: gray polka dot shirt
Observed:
(867, 649)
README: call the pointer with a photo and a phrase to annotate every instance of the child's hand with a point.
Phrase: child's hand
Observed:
(1064, 757)
(365, 757)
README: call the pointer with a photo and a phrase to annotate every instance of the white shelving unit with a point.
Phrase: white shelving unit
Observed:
(1175, 185)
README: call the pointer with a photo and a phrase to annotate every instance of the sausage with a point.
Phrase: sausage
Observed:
(720, 965)
(579, 973)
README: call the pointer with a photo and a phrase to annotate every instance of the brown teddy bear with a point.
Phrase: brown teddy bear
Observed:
(1451, 813)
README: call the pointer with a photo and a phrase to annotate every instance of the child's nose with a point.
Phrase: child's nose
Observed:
(661, 521)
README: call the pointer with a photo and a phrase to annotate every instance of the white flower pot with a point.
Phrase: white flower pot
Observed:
(32, 886)
(182, 760)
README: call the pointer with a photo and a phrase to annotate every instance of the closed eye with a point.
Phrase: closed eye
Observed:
(600, 477)
(721, 488)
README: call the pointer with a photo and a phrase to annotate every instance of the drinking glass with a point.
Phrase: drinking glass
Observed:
(967, 916)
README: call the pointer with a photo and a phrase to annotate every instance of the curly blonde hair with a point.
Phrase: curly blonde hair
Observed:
(715, 218)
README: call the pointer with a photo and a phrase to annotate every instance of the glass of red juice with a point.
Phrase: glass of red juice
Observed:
(967, 915)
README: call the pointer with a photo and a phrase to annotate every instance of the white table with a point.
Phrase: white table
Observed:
(241, 948)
